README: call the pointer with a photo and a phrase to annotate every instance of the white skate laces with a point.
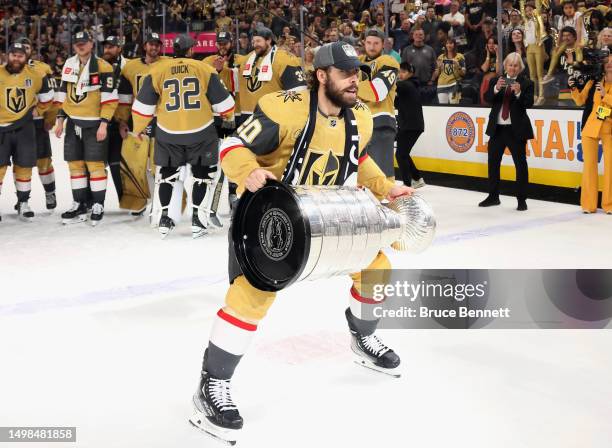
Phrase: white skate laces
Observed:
(219, 393)
(374, 345)
(75, 207)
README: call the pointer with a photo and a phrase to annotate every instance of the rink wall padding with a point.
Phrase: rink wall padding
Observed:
(453, 151)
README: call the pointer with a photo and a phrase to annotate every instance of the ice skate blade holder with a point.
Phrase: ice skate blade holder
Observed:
(283, 234)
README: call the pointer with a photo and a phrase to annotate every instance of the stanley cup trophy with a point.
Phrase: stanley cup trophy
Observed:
(283, 234)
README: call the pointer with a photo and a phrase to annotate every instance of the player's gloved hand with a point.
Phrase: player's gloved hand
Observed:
(228, 124)
(257, 179)
(398, 191)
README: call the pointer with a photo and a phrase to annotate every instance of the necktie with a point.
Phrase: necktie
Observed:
(506, 104)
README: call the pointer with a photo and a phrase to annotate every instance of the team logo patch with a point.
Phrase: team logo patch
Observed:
(275, 234)
(460, 132)
(15, 99)
(28, 82)
(289, 95)
(360, 105)
(253, 82)
(321, 167)
(74, 97)
(67, 70)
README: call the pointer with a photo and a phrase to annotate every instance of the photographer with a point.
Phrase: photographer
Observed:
(596, 97)
(509, 126)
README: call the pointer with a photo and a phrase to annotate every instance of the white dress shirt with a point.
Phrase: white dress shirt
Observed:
(500, 120)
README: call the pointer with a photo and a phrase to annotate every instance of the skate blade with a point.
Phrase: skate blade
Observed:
(76, 220)
(395, 373)
(199, 421)
(164, 232)
(95, 223)
(216, 223)
(197, 232)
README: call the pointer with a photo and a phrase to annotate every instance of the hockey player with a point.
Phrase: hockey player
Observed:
(24, 89)
(378, 92)
(43, 124)
(224, 62)
(88, 98)
(134, 164)
(184, 93)
(331, 119)
(264, 70)
(112, 55)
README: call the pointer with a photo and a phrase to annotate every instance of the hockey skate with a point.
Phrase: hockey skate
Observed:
(24, 211)
(166, 224)
(198, 229)
(50, 200)
(371, 353)
(77, 213)
(97, 213)
(215, 412)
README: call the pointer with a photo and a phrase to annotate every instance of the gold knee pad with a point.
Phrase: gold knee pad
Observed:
(77, 168)
(96, 169)
(380, 263)
(44, 165)
(246, 302)
(22, 173)
(2, 172)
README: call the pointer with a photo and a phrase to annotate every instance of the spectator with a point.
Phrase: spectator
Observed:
(347, 34)
(451, 67)
(490, 67)
(401, 36)
(244, 44)
(457, 22)
(442, 35)
(430, 25)
(223, 23)
(388, 49)
(423, 58)
(474, 19)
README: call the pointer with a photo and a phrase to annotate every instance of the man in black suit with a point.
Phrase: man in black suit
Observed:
(410, 124)
(509, 126)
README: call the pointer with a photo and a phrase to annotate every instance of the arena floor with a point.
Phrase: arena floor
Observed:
(103, 329)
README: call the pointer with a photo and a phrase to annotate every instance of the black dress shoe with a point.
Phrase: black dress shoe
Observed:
(522, 205)
(489, 202)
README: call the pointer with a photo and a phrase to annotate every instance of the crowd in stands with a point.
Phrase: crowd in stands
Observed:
(450, 44)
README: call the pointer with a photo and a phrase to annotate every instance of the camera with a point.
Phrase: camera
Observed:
(592, 66)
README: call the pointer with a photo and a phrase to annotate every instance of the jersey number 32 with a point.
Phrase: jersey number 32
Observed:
(182, 94)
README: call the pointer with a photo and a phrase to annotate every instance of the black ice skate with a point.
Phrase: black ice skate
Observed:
(77, 213)
(215, 221)
(197, 228)
(166, 224)
(215, 412)
(97, 213)
(370, 352)
(25, 213)
(50, 200)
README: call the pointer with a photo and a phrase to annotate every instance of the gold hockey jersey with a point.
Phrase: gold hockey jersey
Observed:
(45, 70)
(20, 93)
(88, 92)
(183, 93)
(132, 76)
(267, 138)
(286, 74)
(228, 76)
(378, 92)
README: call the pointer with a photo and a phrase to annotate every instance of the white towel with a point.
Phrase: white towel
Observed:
(71, 73)
(265, 69)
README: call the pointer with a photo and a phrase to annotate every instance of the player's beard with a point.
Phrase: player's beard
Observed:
(262, 51)
(338, 97)
(15, 67)
(153, 52)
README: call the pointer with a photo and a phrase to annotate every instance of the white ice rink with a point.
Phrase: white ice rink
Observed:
(104, 328)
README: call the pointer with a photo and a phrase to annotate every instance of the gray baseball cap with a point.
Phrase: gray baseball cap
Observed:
(376, 33)
(338, 54)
